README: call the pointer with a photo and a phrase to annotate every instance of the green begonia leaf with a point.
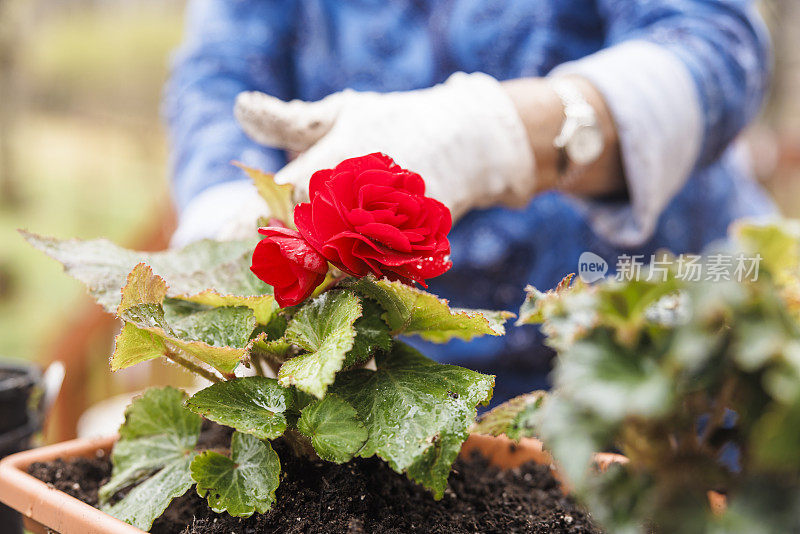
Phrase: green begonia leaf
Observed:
(263, 306)
(615, 381)
(778, 244)
(157, 442)
(372, 334)
(217, 337)
(276, 327)
(208, 272)
(774, 248)
(277, 196)
(252, 405)
(432, 467)
(324, 327)
(417, 411)
(275, 350)
(412, 311)
(533, 309)
(146, 502)
(268, 343)
(218, 327)
(335, 430)
(134, 345)
(242, 484)
(515, 418)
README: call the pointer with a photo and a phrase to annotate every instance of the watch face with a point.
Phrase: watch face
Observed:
(586, 145)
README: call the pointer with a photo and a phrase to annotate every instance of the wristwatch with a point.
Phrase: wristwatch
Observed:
(581, 139)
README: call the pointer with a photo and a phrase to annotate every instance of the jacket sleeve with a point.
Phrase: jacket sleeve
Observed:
(229, 46)
(681, 78)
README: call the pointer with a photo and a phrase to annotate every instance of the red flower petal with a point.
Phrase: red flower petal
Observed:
(387, 235)
(369, 215)
(317, 182)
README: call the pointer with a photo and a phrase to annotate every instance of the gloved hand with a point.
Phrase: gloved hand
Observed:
(464, 137)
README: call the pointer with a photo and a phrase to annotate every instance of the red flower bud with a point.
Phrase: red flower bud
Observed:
(284, 260)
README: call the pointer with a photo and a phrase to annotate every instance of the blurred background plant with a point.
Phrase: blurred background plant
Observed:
(697, 383)
(83, 153)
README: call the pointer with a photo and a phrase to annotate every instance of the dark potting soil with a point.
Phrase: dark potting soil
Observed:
(361, 496)
(79, 477)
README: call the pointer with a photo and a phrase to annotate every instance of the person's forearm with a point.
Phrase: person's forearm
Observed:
(542, 113)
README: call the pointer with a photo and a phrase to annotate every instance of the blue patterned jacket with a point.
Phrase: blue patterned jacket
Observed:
(310, 48)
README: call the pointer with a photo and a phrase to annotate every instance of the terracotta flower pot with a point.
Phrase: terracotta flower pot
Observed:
(45, 508)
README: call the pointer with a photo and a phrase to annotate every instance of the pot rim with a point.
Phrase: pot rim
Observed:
(10, 437)
(29, 375)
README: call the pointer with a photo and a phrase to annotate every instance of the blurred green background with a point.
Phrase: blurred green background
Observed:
(83, 151)
(82, 148)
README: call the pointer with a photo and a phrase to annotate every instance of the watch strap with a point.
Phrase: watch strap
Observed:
(578, 113)
(577, 110)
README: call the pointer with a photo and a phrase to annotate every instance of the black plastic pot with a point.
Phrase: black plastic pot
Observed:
(20, 419)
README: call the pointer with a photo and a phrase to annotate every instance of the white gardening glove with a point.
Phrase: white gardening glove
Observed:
(226, 211)
(464, 137)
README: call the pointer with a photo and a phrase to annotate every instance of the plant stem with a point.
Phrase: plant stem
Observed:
(300, 444)
(258, 364)
(330, 281)
(275, 366)
(173, 356)
(717, 417)
(339, 278)
(271, 359)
